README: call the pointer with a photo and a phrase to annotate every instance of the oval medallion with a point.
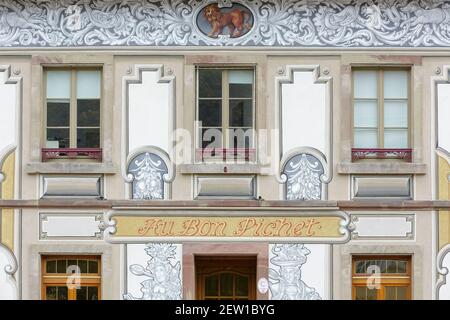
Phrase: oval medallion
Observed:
(233, 22)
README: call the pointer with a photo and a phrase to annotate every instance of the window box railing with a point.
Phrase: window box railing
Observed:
(71, 153)
(225, 154)
(362, 153)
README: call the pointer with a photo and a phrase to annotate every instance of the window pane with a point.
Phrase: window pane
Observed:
(58, 84)
(366, 138)
(366, 114)
(211, 138)
(396, 114)
(93, 266)
(73, 264)
(241, 113)
(226, 284)
(58, 113)
(82, 264)
(210, 113)
(241, 137)
(62, 293)
(82, 293)
(360, 267)
(50, 293)
(88, 84)
(365, 84)
(211, 285)
(51, 266)
(61, 266)
(241, 285)
(396, 84)
(88, 138)
(88, 113)
(241, 83)
(60, 136)
(92, 293)
(210, 83)
(396, 138)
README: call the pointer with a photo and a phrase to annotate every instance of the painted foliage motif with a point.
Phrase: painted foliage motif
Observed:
(148, 172)
(233, 22)
(303, 172)
(303, 23)
(285, 282)
(163, 271)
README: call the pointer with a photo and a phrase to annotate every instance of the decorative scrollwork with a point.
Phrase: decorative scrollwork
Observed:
(147, 172)
(310, 23)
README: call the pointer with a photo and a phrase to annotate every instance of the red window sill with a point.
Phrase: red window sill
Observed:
(71, 153)
(224, 154)
(362, 153)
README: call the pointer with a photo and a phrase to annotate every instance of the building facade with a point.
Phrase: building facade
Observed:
(224, 149)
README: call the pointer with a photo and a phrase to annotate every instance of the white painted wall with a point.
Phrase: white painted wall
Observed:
(8, 112)
(8, 285)
(304, 121)
(149, 112)
(444, 116)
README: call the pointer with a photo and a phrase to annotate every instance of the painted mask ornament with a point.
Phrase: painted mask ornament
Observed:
(286, 282)
(234, 21)
(163, 271)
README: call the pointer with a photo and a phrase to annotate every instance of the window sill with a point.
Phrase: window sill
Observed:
(381, 167)
(70, 167)
(220, 168)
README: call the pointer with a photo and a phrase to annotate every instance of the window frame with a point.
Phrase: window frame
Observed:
(73, 125)
(380, 102)
(225, 125)
(60, 279)
(386, 279)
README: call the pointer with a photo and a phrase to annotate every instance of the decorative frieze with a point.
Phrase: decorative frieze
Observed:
(288, 23)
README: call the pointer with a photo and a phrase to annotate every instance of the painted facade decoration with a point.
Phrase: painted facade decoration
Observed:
(285, 282)
(233, 22)
(147, 172)
(303, 174)
(318, 23)
(163, 271)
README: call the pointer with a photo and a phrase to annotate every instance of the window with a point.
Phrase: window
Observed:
(57, 272)
(73, 98)
(381, 278)
(381, 112)
(226, 278)
(225, 112)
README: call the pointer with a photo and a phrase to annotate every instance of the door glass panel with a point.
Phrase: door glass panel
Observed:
(241, 285)
(51, 293)
(82, 293)
(82, 264)
(92, 293)
(93, 266)
(360, 293)
(226, 284)
(51, 266)
(401, 266)
(211, 285)
(62, 266)
(402, 293)
(371, 294)
(62, 293)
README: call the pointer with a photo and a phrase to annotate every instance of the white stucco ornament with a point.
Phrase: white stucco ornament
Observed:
(305, 23)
